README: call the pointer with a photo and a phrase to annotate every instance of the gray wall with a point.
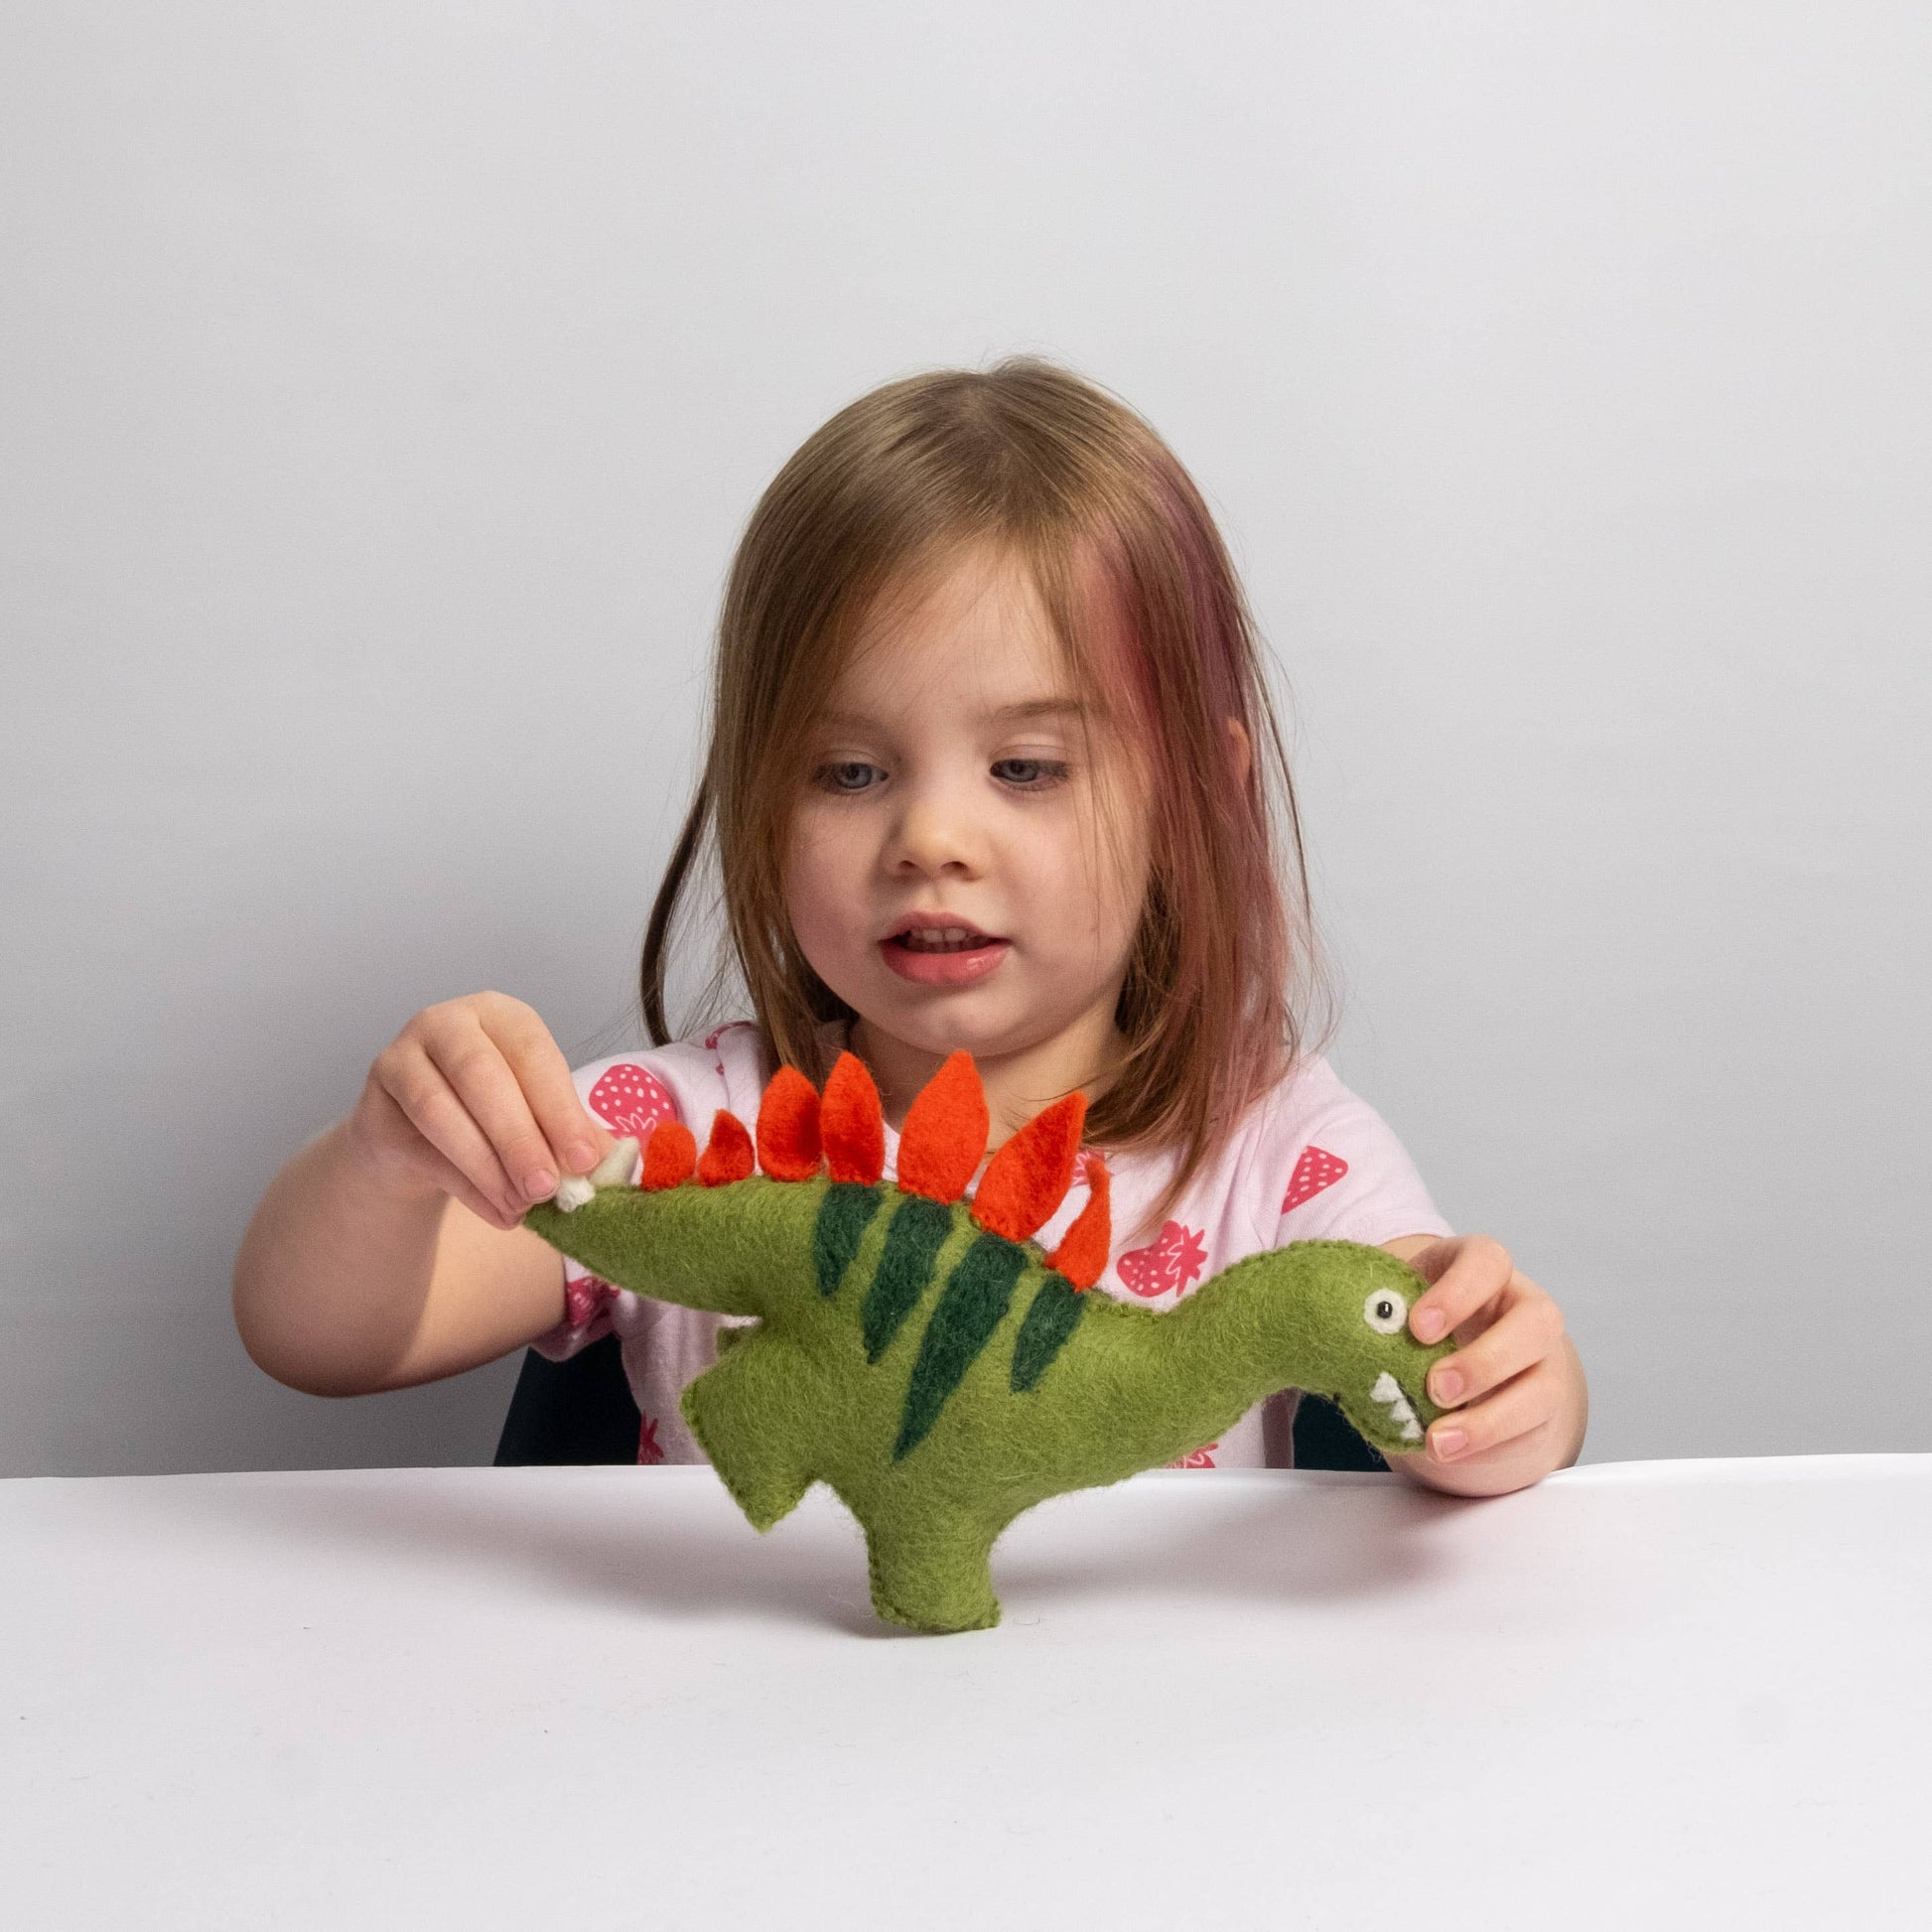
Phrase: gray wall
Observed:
(385, 388)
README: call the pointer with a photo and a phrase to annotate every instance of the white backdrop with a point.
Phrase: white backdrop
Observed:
(385, 388)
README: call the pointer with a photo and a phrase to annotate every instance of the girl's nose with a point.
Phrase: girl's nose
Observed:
(935, 828)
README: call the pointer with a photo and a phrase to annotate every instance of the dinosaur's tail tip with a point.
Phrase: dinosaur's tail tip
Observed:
(617, 1169)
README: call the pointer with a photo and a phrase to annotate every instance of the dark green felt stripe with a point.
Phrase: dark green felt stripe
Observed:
(914, 1238)
(969, 1309)
(1055, 1315)
(843, 1217)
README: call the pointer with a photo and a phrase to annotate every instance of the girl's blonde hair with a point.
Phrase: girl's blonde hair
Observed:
(1066, 479)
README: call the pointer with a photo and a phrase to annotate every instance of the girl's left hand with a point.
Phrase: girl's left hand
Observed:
(1514, 1385)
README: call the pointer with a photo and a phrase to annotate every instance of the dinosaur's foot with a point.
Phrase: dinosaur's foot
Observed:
(932, 1577)
(730, 1416)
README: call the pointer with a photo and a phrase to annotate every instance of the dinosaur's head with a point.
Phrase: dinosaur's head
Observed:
(1331, 1318)
(1359, 1349)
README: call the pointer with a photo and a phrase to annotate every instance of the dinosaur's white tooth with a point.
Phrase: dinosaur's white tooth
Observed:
(573, 1191)
(1387, 1388)
(1400, 1411)
(1411, 1430)
(617, 1167)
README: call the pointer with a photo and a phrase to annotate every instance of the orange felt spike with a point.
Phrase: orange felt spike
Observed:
(851, 1123)
(1029, 1177)
(945, 1131)
(728, 1153)
(788, 1127)
(670, 1155)
(1082, 1254)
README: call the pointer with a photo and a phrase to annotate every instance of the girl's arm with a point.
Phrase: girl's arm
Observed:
(1524, 1405)
(344, 1287)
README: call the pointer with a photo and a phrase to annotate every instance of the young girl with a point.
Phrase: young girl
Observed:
(992, 766)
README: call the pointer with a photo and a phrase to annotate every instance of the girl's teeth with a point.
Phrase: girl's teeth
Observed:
(952, 939)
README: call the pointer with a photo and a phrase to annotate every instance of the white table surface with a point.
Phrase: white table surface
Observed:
(1684, 1694)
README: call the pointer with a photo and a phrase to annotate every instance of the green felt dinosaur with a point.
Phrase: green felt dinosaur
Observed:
(917, 1352)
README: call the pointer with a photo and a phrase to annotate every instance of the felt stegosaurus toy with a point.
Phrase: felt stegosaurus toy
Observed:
(918, 1353)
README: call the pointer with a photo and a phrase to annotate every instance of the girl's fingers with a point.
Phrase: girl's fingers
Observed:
(1478, 1268)
(459, 1185)
(488, 1197)
(422, 1088)
(1515, 1409)
(575, 1140)
(1528, 1330)
(486, 1087)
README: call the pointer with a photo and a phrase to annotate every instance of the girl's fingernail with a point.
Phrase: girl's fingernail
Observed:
(539, 1184)
(1450, 1442)
(1428, 1324)
(1448, 1385)
(581, 1154)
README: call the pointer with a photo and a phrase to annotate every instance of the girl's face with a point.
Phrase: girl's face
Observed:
(949, 786)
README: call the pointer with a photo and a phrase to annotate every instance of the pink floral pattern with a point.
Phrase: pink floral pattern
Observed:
(647, 1449)
(1199, 1460)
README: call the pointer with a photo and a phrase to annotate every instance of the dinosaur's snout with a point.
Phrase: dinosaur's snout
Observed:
(1400, 1411)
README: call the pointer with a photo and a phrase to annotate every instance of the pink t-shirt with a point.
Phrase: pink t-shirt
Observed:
(1309, 1161)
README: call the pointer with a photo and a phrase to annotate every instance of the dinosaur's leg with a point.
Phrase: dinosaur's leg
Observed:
(751, 1414)
(929, 1571)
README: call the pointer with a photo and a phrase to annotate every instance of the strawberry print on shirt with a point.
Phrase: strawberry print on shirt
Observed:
(631, 1099)
(1315, 1170)
(1166, 1265)
(585, 1297)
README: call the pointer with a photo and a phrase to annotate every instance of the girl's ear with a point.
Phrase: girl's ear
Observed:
(1243, 751)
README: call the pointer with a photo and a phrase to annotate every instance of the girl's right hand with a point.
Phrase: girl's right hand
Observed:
(474, 1099)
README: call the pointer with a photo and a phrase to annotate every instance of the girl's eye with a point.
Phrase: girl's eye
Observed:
(1385, 1312)
(848, 775)
(830, 774)
(1036, 775)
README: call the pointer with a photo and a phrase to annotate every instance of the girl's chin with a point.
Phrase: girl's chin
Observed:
(944, 969)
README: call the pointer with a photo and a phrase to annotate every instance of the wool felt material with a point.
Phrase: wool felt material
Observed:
(918, 1354)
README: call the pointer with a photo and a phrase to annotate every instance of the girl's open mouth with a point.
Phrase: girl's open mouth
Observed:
(943, 962)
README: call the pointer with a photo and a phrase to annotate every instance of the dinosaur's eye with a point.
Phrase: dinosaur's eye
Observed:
(1385, 1312)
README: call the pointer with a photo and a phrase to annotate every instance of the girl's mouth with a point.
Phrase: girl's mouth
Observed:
(935, 961)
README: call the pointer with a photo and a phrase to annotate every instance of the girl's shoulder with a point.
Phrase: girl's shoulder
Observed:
(1306, 1095)
(1315, 1160)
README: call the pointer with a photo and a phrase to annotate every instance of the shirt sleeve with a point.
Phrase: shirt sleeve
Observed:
(1344, 1174)
(630, 1093)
